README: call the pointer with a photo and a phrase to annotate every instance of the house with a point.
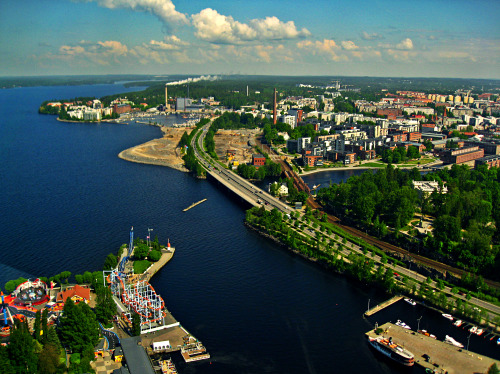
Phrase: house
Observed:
(76, 293)
(258, 160)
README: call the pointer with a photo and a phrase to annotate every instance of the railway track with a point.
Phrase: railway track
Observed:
(386, 247)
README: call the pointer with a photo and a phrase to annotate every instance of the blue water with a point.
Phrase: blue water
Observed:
(67, 201)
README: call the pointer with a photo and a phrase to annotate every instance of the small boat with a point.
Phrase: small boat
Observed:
(410, 301)
(479, 331)
(448, 339)
(498, 341)
(447, 316)
(473, 329)
(402, 324)
(168, 367)
(458, 322)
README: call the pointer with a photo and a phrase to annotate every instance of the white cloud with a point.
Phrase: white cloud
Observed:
(406, 44)
(171, 43)
(217, 28)
(348, 45)
(163, 9)
(326, 46)
(373, 36)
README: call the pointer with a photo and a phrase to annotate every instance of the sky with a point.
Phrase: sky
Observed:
(404, 38)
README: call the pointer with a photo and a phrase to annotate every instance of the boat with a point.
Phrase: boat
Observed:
(448, 339)
(498, 341)
(473, 329)
(479, 331)
(168, 367)
(447, 316)
(410, 301)
(424, 332)
(402, 324)
(392, 350)
(458, 322)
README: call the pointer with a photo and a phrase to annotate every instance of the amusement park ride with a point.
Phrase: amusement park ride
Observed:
(137, 296)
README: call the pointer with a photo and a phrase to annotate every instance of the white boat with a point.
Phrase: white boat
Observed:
(410, 301)
(402, 324)
(458, 322)
(447, 316)
(392, 350)
(448, 339)
(473, 329)
(498, 341)
(479, 331)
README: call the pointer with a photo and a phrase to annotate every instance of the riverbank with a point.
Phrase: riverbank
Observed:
(162, 151)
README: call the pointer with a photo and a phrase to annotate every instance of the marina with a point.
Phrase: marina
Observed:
(432, 354)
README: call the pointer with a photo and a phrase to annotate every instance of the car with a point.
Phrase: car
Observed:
(396, 274)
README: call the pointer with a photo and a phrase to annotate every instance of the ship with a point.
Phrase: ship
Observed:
(392, 350)
(410, 301)
(448, 339)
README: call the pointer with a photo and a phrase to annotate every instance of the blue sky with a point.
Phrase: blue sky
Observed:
(318, 37)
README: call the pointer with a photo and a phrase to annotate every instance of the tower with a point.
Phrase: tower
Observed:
(274, 107)
(167, 106)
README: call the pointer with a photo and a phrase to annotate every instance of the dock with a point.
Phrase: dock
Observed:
(383, 305)
(443, 357)
(193, 205)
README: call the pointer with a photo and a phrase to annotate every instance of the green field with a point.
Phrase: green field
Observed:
(140, 266)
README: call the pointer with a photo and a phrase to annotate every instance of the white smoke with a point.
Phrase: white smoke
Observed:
(193, 80)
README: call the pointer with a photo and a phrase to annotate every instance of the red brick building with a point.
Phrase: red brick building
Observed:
(492, 161)
(391, 113)
(414, 136)
(258, 160)
(462, 155)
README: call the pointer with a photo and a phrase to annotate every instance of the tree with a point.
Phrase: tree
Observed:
(105, 307)
(136, 325)
(48, 360)
(141, 251)
(493, 369)
(37, 325)
(5, 364)
(111, 262)
(21, 350)
(154, 255)
(78, 326)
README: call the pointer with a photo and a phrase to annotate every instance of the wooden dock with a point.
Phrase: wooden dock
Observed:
(194, 204)
(443, 357)
(383, 305)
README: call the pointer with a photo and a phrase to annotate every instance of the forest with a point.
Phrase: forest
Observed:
(465, 218)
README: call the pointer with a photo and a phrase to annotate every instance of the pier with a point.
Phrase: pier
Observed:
(193, 205)
(383, 305)
(442, 357)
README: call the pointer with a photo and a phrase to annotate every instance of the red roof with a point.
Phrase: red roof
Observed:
(77, 290)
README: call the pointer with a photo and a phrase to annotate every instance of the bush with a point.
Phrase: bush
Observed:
(154, 255)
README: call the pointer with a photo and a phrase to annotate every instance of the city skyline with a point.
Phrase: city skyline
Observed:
(372, 38)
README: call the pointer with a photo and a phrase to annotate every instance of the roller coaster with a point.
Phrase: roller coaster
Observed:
(139, 296)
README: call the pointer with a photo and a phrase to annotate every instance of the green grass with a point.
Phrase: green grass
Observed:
(140, 266)
(372, 165)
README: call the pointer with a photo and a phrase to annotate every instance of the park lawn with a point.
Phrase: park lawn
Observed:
(140, 266)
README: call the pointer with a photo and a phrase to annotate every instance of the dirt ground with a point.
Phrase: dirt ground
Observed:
(164, 151)
(238, 141)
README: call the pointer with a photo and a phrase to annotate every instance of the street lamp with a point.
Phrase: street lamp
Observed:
(418, 325)
(149, 237)
(468, 338)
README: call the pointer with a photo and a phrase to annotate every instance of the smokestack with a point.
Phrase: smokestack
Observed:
(274, 107)
(167, 107)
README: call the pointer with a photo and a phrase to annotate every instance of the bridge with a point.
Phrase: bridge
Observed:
(242, 188)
